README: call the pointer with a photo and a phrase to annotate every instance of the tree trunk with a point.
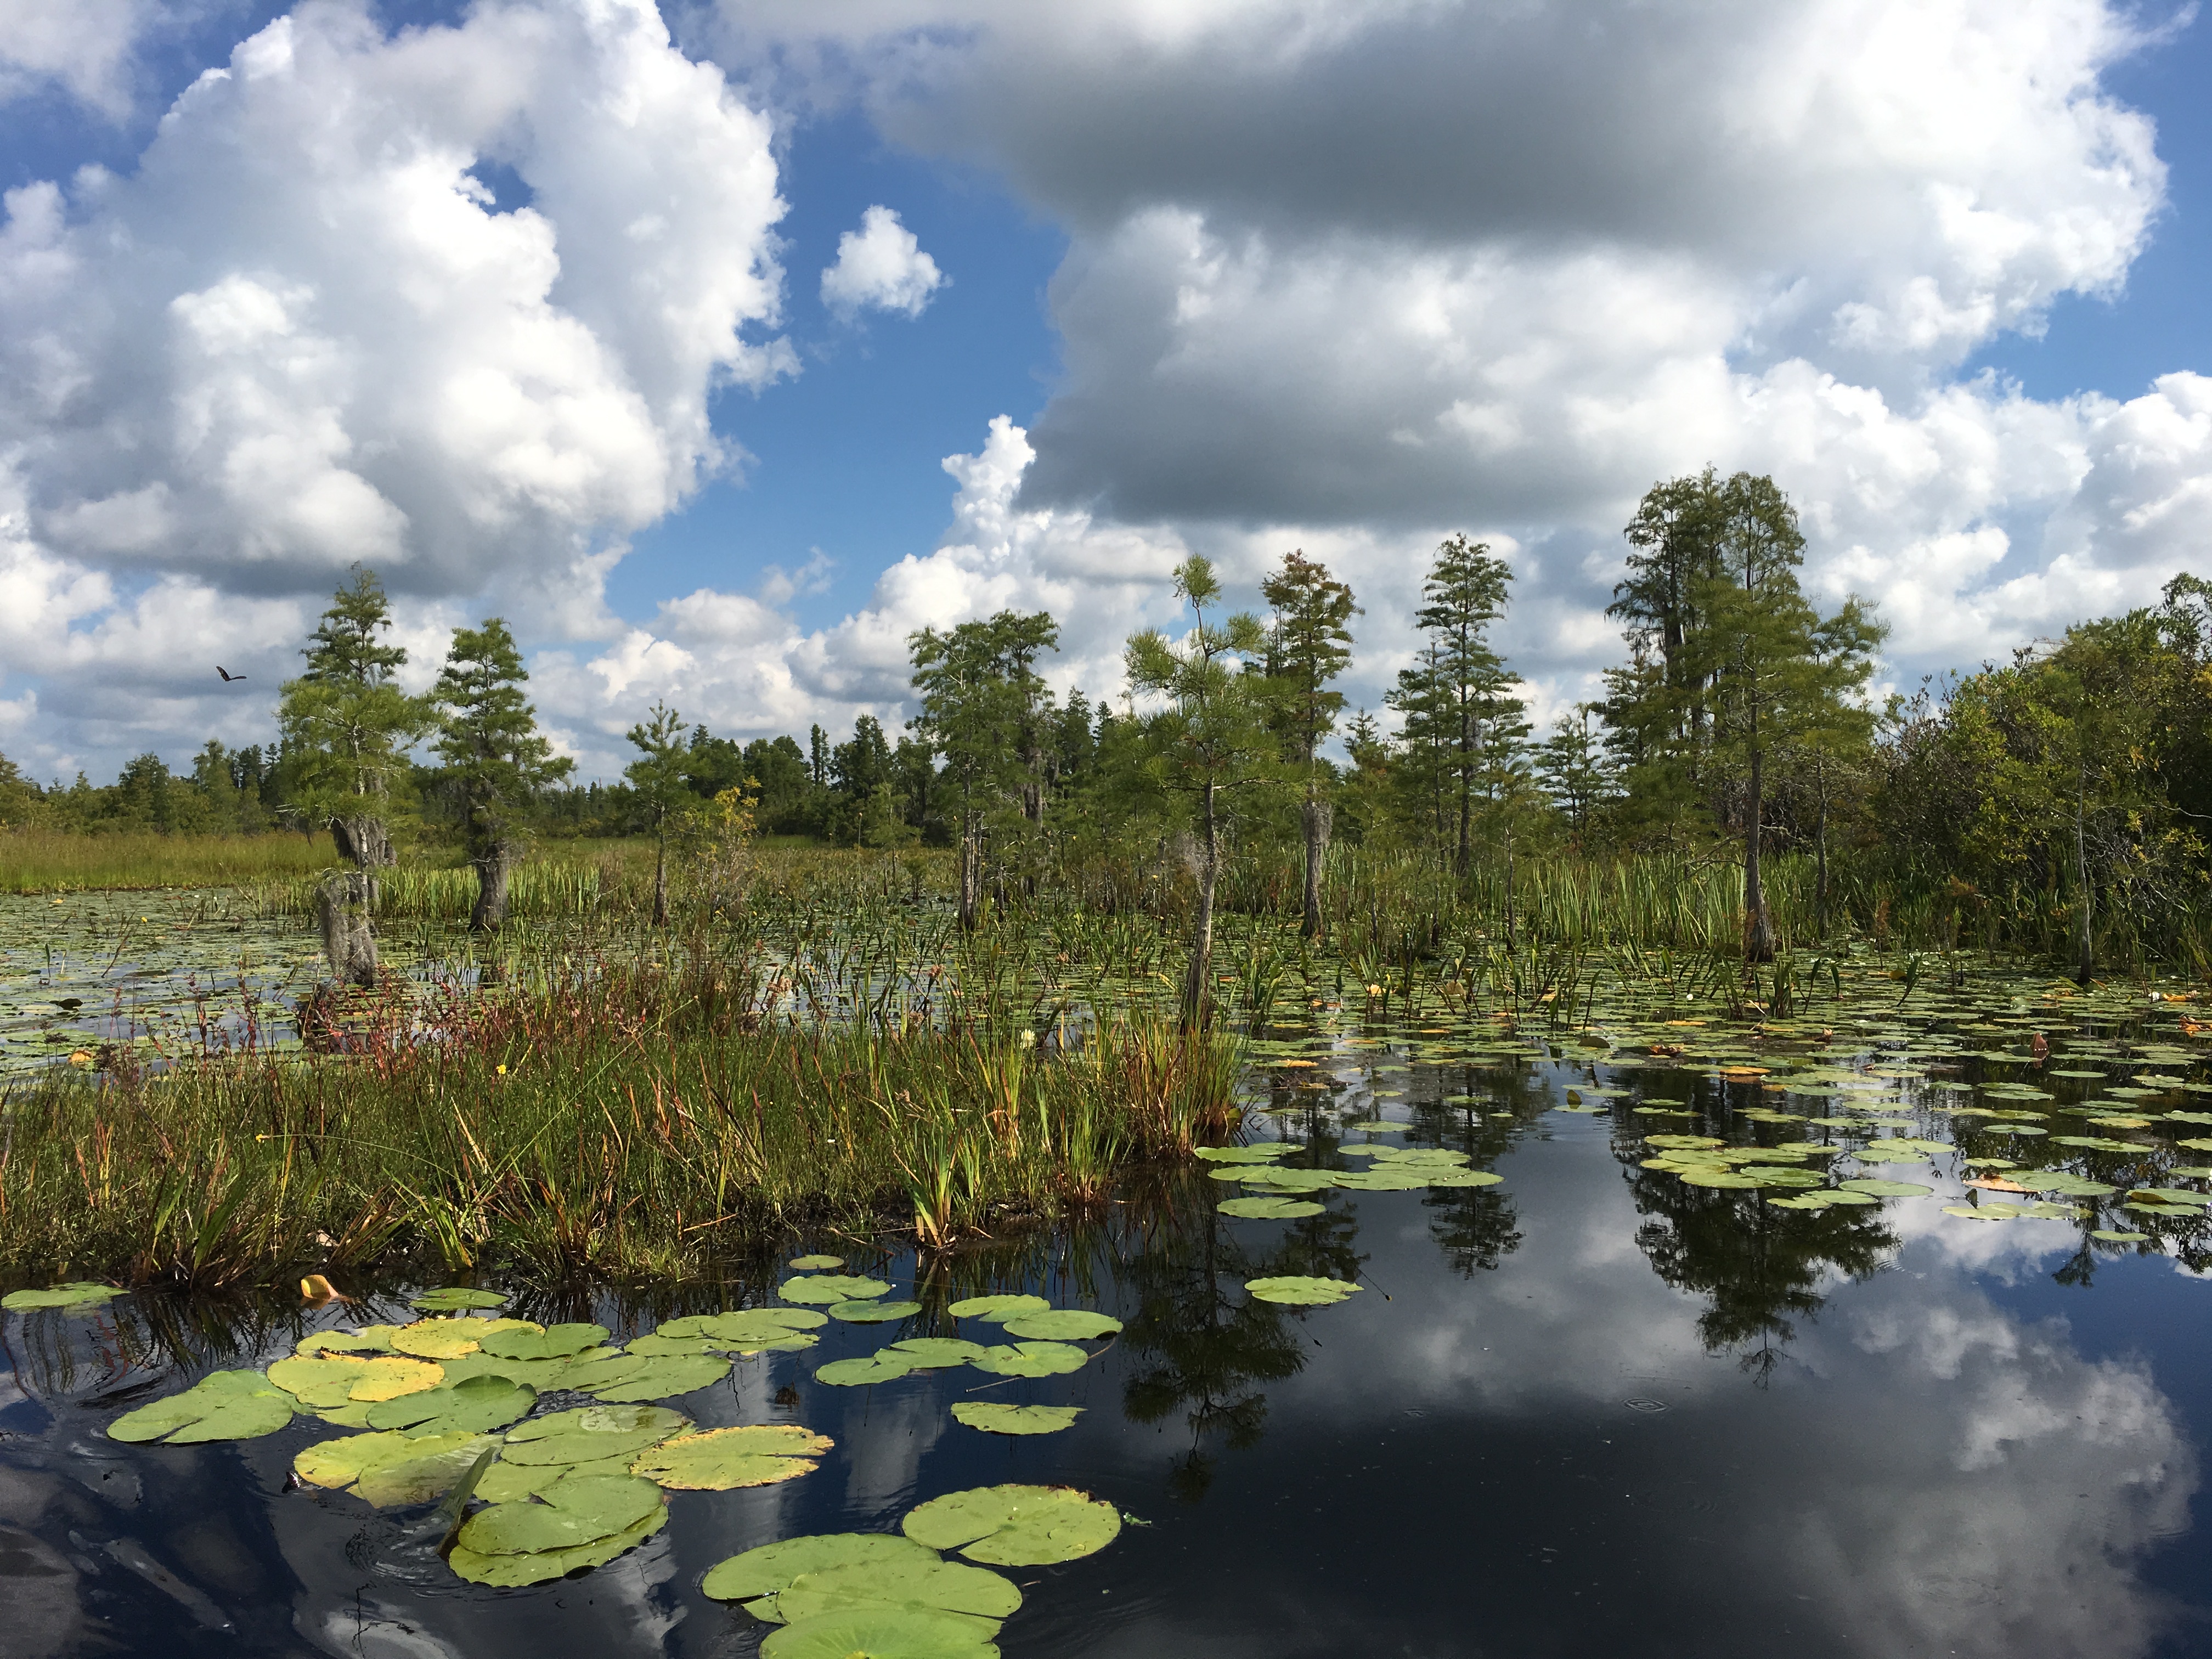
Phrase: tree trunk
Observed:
(493, 865)
(342, 904)
(660, 879)
(2088, 965)
(1319, 819)
(1820, 860)
(363, 842)
(1198, 984)
(1758, 926)
(971, 873)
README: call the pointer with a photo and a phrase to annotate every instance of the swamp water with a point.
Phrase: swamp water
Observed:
(1652, 1391)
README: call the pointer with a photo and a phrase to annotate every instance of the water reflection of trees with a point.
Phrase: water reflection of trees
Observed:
(1760, 1268)
(1197, 1343)
(1480, 1111)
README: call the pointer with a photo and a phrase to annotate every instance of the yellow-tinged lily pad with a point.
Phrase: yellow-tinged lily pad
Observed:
(721, 1459)
(438, 1338)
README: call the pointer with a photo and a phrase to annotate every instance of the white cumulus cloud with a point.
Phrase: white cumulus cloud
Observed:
(882, 265)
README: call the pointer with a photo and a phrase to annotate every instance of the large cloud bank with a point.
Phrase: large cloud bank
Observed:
(1345, 277)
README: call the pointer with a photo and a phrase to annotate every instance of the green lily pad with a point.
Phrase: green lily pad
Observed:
(554, 1342)
(874, 1313)
(1063, 1325)
(1270, 1209)
(1015, 1526)
(475, 1405)
(720, 1459)
(1886, 1188)
(504, 1482)
(807, 1264)
(578, 1510)
(439, 1339)
(744, 1324)
(588, 1434)
(1707, 1175)
(1272, 1179)
(885, 1365)
(1381, 1180)
(220, 1405)
(937, 1586)
(2119, 1236)
(511, 1572)
(1261, 1153)
(830, 1288)
(392, 1470)
(652, 1376)
(78, 1296)
(1030, 1360)
(996, 1308)
(655, 1346)
(456, 1297)
(1015, 1419)
(1295, 1290)
(888, 1632)
(375, 1339)
(1437, 1176)
(770, 1568)
(930, 1353)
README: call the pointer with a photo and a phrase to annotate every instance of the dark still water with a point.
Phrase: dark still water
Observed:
(1592, 1410)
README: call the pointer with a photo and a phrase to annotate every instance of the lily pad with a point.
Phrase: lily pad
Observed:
(1452, 1177)
(1296, 1290)
(720, 1459)
(1270, 1209)
(590, 1433)
(78, 1296)
(1381, 1180)
(770, 1568)
(1886, 1188)
(392, 1470)
(220, 1405)
(888, 1632)
(456, 1297)
(874, 1313)
(807, 1264)
(1709, 1176)
(886, 1365)
(1262, 1154)
(1030, 1360)
(1063, 1325)
(1015, 1526)
(554, 1342)
(1015, 1419)
(578, 1510)
(476, 1405)
(333, 1379)
(439, 1339)
(930, 1353)
(538, 1566)
(657, 1377)
(831, 1288)
(997, 1308)
(937, 1586)
(1288, 1181)
(2120, 1236)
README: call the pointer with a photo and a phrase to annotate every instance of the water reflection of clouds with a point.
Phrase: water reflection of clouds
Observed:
(1931, 1472)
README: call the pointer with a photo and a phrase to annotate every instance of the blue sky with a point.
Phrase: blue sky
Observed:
(1231, 278)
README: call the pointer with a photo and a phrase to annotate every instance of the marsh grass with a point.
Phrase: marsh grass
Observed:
(628, 1121)
(49, 861)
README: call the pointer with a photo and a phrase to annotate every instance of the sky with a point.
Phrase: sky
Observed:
(721, 345)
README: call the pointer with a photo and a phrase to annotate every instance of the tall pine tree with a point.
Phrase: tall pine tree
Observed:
(1308, 645)
(496, 759)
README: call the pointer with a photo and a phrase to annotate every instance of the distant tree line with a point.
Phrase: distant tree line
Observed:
(2070, 785)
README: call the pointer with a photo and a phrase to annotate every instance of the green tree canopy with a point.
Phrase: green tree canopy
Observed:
(496, 759)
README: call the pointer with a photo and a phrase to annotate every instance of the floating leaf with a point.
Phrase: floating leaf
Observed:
(220, 1405)
(929, 1353)
(1708, 1176)
(577, 1510)
(438, 1338)
(656, 1377)
(656, 1345)
(393, 1470)
(1294, 1290)
(1381, 1180)
(510, 1572)
(1030, 1360)
(881, 1634)
(937, 1586)
(996, 1308)
(812, 1263)
(1444, 1177)
(1886, 1188)
(1983, 1212)
(475, 1405)
(721, 1459)
(554, 1342)
(589, 1433)
(830, 1288)
(454, 1299)
(375, 1339)
(1063, 1325)
(1015, 1419)
(503, 1482)
(78, 1296)
(333, 1379)
(1262, 1154)
(1270, 1209)
(1015, 1526)
(769, 1569)
(2119, 1236)
(874, 1313)
(885, 1365)
(1288, 1181)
